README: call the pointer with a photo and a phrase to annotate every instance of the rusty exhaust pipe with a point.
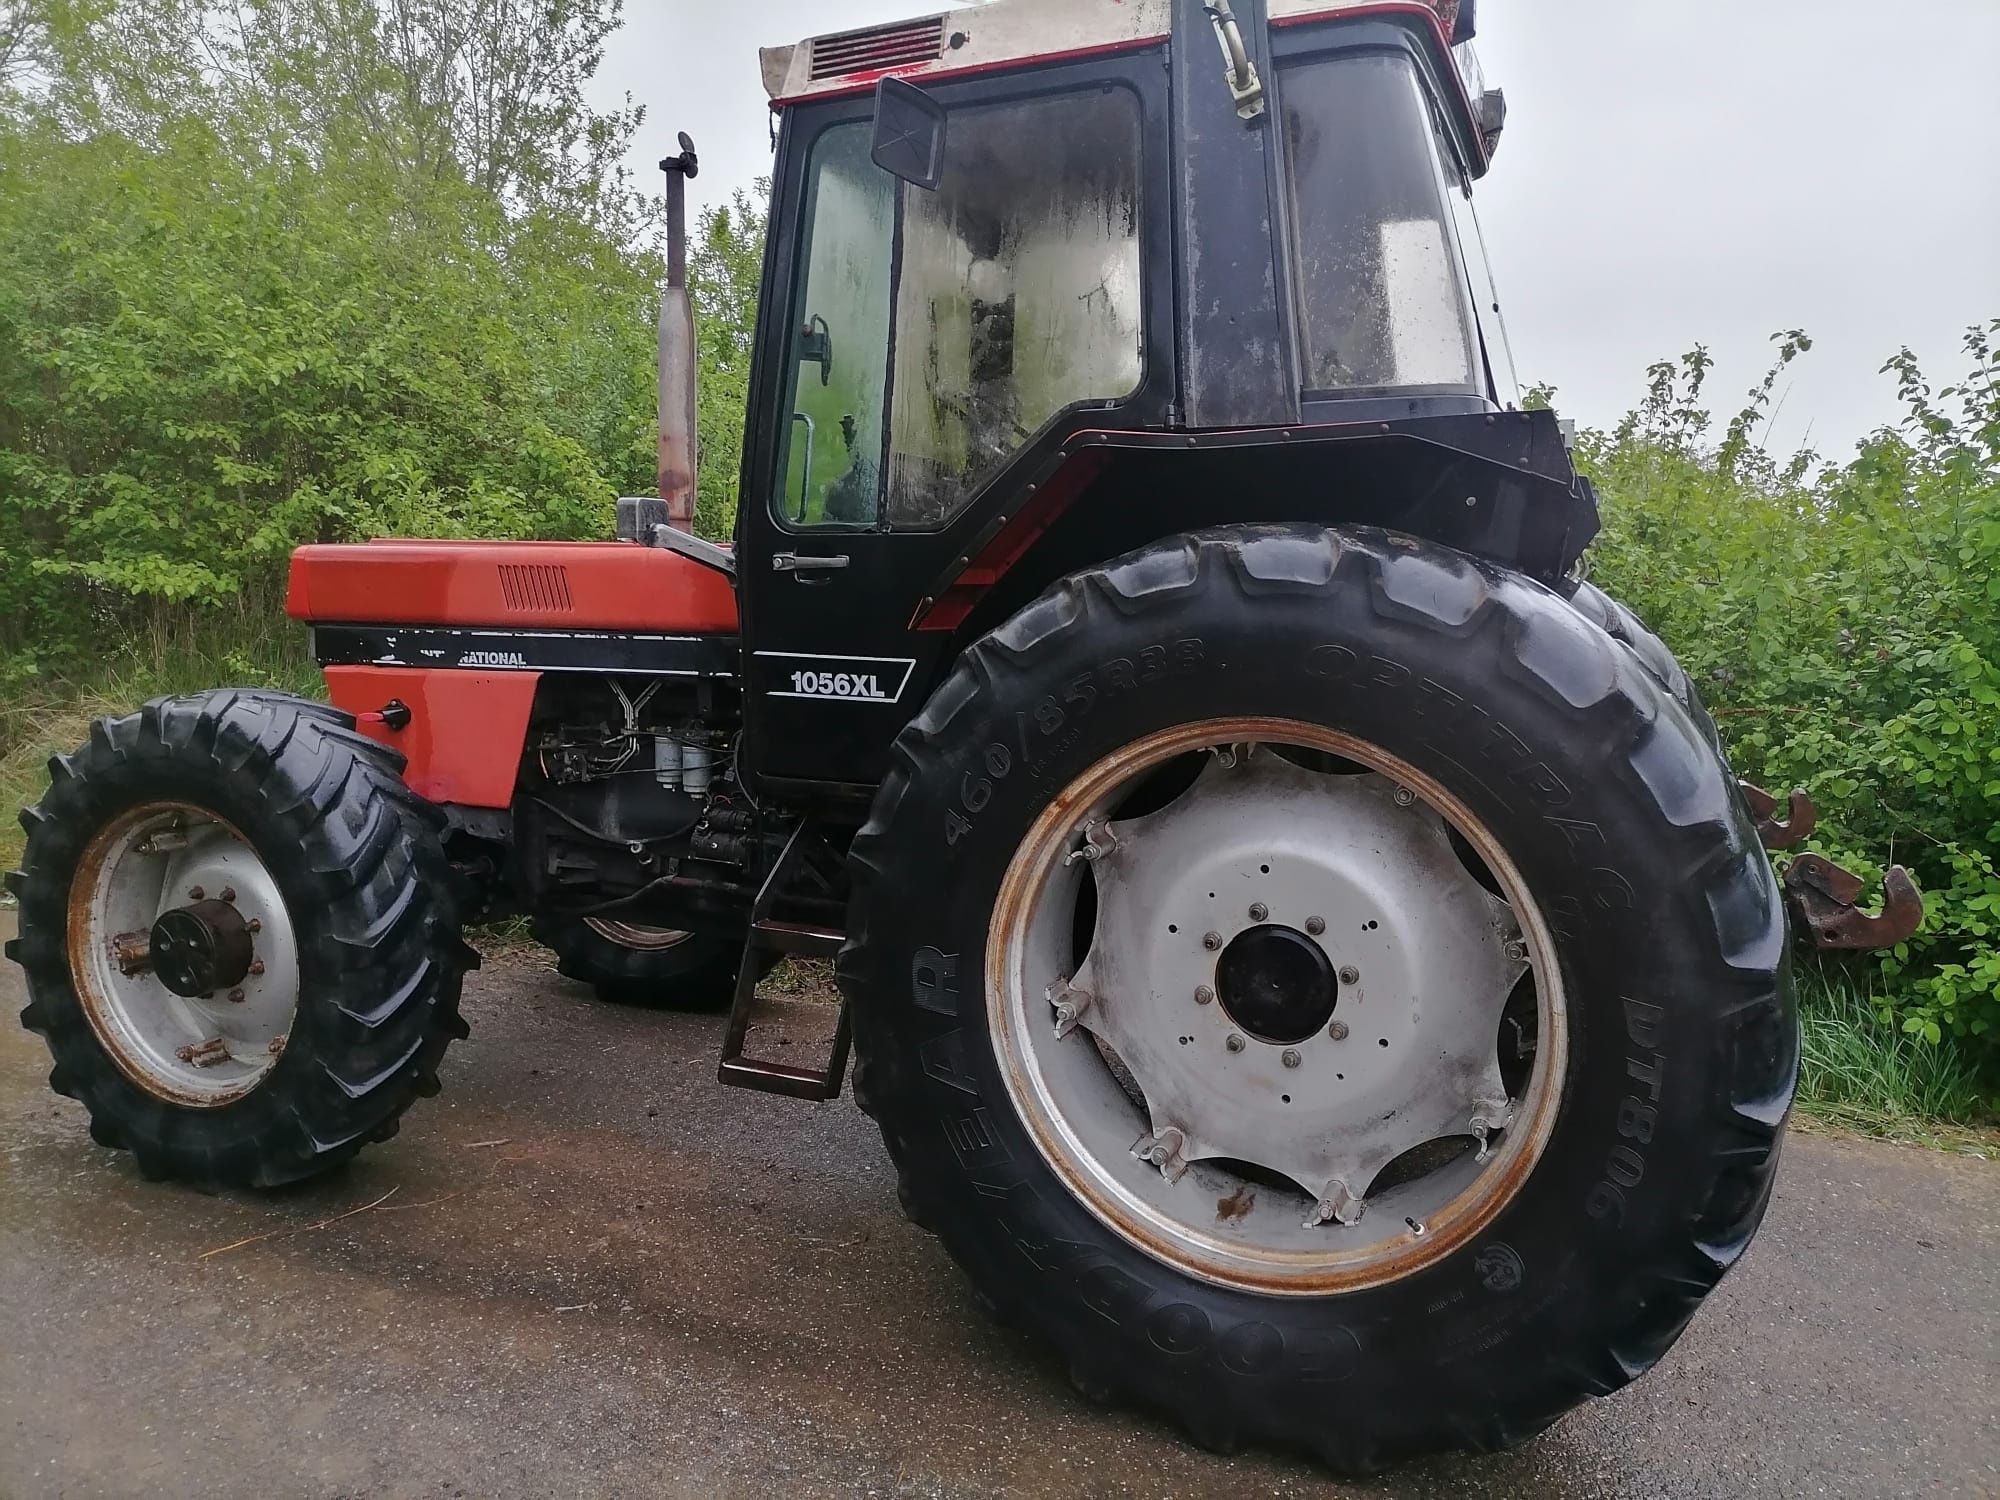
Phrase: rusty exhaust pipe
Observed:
(677, 350)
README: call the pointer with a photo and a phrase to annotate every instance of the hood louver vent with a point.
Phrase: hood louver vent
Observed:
(877, 48)
(538, 588)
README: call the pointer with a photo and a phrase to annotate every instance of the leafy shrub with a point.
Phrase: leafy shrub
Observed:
(1843, 621)
(239, 312)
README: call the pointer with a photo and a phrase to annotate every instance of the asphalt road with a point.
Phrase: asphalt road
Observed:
(601, 1274)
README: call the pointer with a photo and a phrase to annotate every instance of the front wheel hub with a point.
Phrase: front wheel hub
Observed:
(201, 948)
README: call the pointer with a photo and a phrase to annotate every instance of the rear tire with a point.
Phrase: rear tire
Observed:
(341, 853)
(1603, 793)
(647, 967)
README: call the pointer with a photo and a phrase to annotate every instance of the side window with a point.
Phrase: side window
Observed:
(1019, 294)
(836, 371)
(1381, 301)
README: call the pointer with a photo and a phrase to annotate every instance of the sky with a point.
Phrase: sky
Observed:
(1674, 172)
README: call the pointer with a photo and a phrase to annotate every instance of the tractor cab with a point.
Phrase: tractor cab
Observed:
(1021, 253)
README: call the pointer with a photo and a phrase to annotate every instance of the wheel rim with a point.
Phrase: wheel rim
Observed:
(169, 897)
(633, 935)
(1158, 994)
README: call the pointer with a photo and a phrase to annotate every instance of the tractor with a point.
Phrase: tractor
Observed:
(1302, 944)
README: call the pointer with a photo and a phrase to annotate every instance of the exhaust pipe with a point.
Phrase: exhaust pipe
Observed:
(677, 351)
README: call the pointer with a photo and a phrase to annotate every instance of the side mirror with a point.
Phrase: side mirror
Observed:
(909, 133)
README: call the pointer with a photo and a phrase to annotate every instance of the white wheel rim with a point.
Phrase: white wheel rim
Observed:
(198, 1052)
(1151, 1102)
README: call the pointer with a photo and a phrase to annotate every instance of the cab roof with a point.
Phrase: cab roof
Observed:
(1006, 33)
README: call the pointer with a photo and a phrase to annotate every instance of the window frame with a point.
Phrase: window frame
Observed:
(787, 259)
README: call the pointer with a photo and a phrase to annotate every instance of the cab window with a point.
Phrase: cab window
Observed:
(1382, 303)
(934, 334)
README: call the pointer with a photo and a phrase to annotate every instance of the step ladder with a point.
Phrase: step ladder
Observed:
(800, 912)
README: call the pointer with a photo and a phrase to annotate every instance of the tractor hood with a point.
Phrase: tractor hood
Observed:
(569, 586)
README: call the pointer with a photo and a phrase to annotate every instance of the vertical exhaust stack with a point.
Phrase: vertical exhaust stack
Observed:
(677, 351)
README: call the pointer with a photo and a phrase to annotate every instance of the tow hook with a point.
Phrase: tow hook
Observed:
(1780, 833)
(1820, 895)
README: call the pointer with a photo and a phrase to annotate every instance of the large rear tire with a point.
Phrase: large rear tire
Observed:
(1004, 1018)
(240, 939)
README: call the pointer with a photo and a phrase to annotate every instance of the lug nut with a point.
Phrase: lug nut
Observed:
(1291, 1058)
(229, 893)
(1518, 952)
(236, 997)
(1211, 941)
(256, 966)
(1203, 995)
(1349, 974)
(1315, 926)
(256, 924)
(1235, 1042)
(196, 893)
(1405, 797)
(1338, 1031)
(1259, 912)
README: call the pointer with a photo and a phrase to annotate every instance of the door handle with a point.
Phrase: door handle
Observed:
(793, 562)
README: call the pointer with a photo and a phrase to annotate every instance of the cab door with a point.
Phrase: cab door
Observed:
(923, 347)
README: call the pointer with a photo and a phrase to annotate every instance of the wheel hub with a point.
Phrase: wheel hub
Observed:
(1277, 984)
(184, 954)
(201, 948)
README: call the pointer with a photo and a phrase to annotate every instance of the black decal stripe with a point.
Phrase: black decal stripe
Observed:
(478, 650)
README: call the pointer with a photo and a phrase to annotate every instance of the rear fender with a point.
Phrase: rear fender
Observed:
(1500, 486)
(466, 730)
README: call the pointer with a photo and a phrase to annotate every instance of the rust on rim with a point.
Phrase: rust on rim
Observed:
(1200, 1245)
(635, 935)
(193, 1051)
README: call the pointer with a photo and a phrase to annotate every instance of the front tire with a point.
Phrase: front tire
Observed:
(239, 938)
(1512, 717)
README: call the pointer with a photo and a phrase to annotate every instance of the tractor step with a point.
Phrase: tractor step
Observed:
(801, 1045)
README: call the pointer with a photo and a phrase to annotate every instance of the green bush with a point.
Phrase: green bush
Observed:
(239, 313)
(1843, 621)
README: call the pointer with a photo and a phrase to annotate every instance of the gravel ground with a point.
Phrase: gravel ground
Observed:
(600, 1274)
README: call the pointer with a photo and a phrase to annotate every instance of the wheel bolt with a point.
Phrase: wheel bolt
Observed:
(1235, 1042)
(255, 924)
(1291, 1058)
(229, 893)
(1315, 926)
(1211, 941)
(236, 997)
(1338, 1031)
(1405, 797)
(1203, 995)
(1259, 912)
(1349, 974)
(196, 893)
(1518, 952)
(256, 966)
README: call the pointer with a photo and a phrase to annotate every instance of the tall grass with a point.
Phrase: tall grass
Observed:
(1866, 1073)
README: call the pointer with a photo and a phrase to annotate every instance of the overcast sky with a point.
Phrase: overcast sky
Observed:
(1674, 172)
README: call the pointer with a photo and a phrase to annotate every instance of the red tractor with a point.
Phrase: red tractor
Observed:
(1304, 948)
